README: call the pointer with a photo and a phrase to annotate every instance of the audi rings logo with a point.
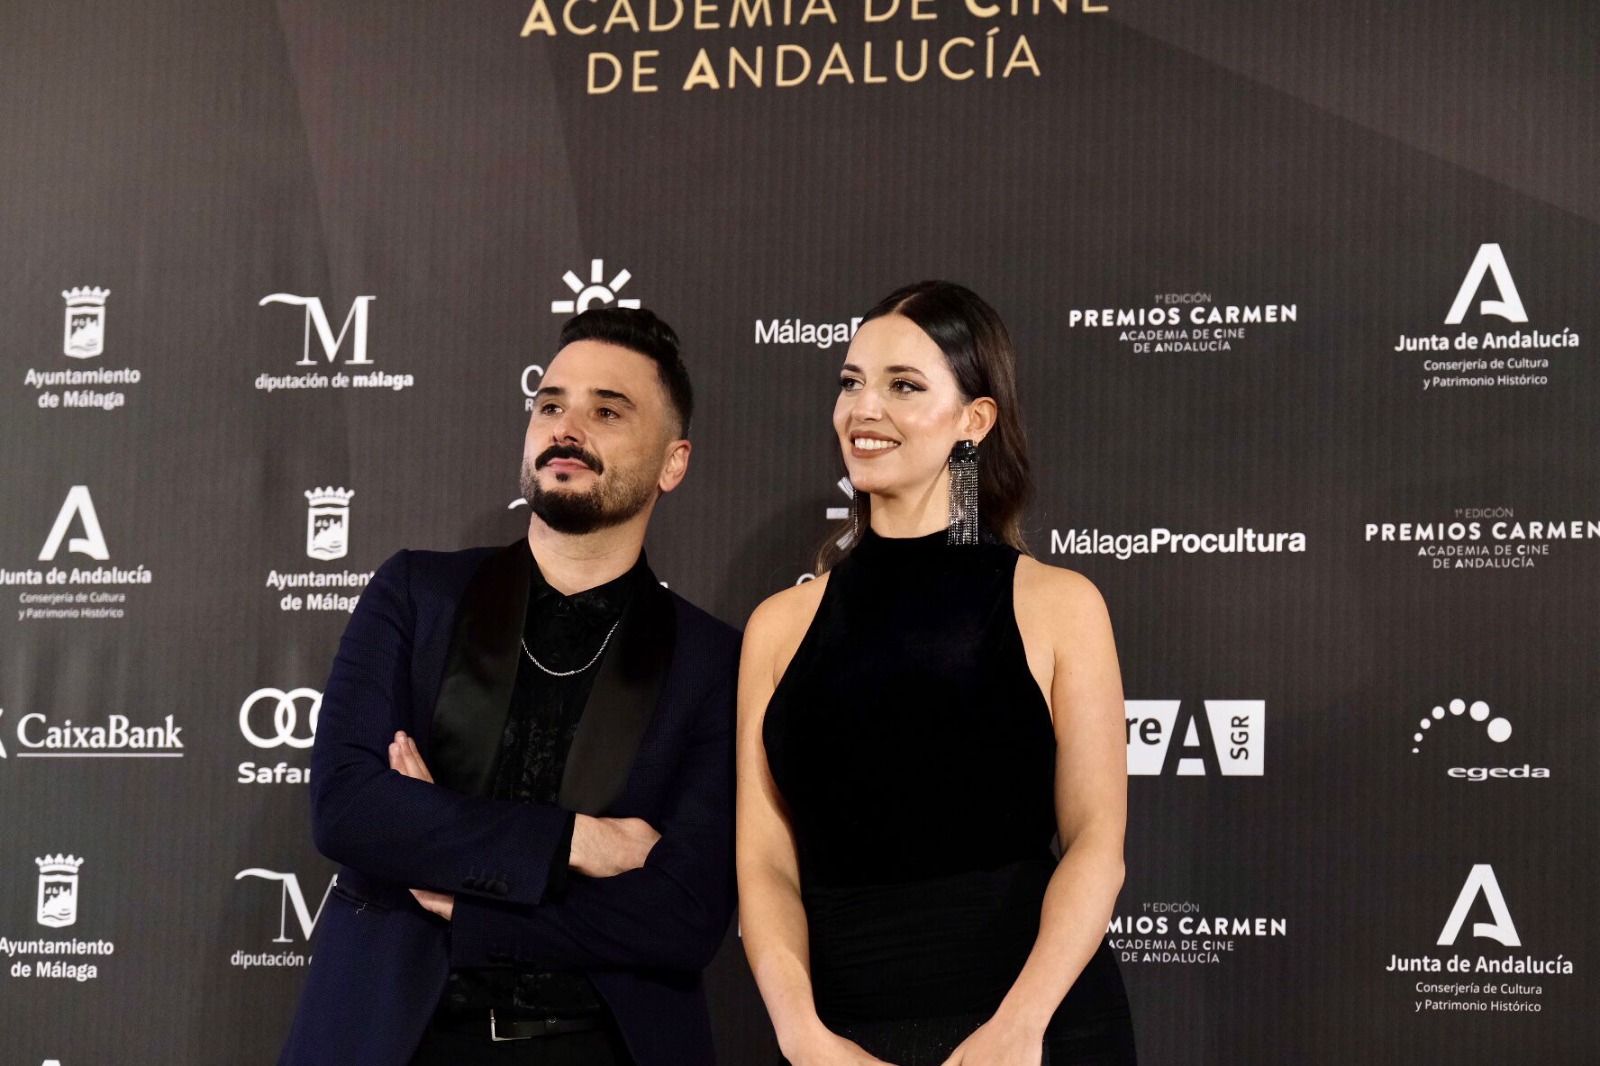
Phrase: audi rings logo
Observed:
(281, 711)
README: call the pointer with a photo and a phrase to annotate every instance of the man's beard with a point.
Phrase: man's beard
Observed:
(611, 501)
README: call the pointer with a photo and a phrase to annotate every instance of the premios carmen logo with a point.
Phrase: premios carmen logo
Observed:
(1183, 933)
(1489, 350)
(1482, 538)
(786, 44)
(1169, 738)
(1177, 323)
(74, 593)
(328, 349)
(1486, 979)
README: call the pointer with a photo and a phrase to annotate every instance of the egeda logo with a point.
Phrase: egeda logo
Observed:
(1477, 729)
(1168, 738)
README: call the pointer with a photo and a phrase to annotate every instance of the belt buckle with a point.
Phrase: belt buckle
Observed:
(494, 1032)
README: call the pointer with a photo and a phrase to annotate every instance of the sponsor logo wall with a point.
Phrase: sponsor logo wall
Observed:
(1306, 382)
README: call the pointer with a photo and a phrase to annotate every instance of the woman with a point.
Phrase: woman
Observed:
(918, 724)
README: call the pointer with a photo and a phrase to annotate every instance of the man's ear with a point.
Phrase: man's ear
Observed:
(675, 466)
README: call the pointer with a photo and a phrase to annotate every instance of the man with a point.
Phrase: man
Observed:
(524, 763)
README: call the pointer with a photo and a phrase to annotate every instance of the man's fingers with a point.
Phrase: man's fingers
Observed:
(417, 763)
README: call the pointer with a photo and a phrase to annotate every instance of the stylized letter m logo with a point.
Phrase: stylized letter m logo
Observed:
(317, 318)
(292, 897)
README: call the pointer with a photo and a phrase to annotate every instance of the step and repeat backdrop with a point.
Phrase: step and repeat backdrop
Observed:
(1305, 301)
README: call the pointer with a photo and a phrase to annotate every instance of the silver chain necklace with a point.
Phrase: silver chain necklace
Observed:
(579, 670)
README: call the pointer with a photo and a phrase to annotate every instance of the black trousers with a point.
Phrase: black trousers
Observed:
(457, 1046)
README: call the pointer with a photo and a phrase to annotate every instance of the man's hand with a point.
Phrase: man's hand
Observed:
(404, 758)
(435, 902)
(605, 847)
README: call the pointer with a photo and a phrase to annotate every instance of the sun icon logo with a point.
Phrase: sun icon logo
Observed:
(1498, 729)
(597, 293)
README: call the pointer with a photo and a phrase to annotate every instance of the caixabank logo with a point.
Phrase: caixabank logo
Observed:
(1490, 967)
(1496, 344)
(36, 735)
(1188, 738)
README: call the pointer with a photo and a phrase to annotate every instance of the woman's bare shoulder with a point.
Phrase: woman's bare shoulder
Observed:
(780, 621)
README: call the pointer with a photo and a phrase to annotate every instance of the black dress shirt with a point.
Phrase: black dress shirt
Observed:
(565, 633)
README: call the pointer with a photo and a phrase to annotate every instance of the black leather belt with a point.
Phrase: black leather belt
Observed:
(502, 1029)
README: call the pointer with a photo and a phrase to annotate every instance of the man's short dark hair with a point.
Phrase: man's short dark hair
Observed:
(640, 331)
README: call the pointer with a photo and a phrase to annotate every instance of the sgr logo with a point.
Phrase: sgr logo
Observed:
(282, 710)
(1167, 738)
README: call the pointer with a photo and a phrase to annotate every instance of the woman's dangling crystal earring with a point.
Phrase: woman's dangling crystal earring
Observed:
(852, 531)
(963, 494)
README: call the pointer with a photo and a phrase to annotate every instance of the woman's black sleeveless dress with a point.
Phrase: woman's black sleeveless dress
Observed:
(916, 758)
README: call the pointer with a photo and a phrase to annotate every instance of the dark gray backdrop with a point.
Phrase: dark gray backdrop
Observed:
(1347, 163)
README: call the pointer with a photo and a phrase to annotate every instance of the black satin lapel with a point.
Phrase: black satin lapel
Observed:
(475, 696)
(621, 703)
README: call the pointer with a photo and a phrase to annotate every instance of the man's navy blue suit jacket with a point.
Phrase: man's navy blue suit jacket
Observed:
(440, 631)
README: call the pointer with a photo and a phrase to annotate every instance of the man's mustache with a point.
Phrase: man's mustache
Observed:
(569, 451)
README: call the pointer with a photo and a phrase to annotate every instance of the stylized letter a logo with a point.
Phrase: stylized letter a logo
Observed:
(93, 541)
(1489, 260)
(1481, 879)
